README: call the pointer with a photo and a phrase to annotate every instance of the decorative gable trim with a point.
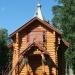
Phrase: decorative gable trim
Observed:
(38, 46)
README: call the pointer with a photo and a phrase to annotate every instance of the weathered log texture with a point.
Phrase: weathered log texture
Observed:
(50, 41)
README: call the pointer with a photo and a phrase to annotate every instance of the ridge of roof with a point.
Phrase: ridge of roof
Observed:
(31, 21)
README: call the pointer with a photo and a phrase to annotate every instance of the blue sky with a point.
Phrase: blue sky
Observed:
(14, 13)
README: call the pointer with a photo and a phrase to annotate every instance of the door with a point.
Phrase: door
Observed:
(35, 64)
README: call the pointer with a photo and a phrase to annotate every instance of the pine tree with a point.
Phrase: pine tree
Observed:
(64, 20)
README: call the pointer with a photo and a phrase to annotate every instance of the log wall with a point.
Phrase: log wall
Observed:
(50, 35)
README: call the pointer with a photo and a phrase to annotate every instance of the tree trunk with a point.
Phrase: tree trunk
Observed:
(70, 71)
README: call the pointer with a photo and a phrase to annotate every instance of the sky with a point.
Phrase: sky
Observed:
(15, 13)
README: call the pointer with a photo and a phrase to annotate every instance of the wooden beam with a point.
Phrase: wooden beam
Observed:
(17, 38)
(43, 65)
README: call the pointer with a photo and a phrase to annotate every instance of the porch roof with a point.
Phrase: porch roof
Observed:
(44, 51)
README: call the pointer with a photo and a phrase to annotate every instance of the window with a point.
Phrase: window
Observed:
(35, 36)
(38, 37)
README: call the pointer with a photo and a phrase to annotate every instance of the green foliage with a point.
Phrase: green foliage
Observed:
(64, 20)
(4, 51)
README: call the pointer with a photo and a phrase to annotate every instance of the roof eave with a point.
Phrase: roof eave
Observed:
(31, 21)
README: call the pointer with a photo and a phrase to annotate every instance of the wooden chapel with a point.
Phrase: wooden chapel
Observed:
(38, 48)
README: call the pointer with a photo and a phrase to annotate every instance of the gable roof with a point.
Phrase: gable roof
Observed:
(33, 20)
(49, 26)
(36, 45)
